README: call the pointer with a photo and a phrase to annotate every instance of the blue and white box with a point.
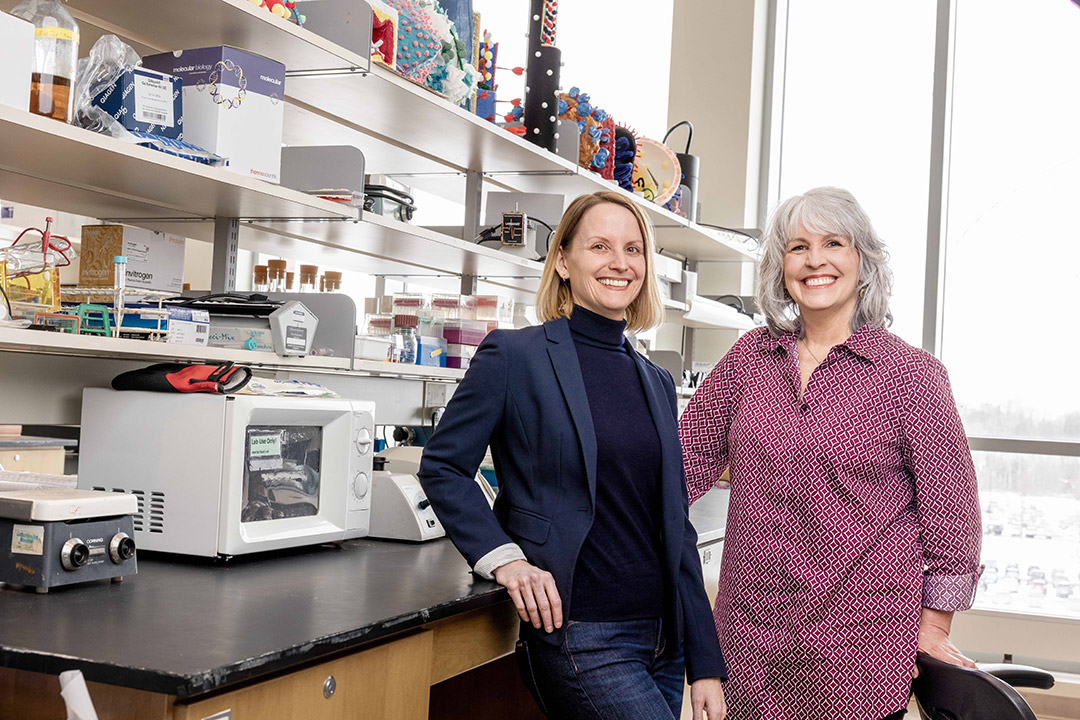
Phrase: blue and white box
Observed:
(234, 105)
(146, 101)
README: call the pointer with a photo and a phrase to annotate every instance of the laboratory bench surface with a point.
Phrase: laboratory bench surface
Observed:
(188, 628)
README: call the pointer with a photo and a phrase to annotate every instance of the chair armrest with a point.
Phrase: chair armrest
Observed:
(1019, 675)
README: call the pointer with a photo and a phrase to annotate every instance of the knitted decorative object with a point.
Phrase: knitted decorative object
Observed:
(607, 150)
(595, 144)
(547, 22)
(417, 43)
(485, 93)
(625, 152)
(542, 76)
(384, 25)
(450, 73)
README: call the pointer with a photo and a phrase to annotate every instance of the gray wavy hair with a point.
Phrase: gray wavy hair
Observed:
(823, 211)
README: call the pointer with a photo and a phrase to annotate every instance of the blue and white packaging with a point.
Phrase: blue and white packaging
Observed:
(146, 101)
(184, 326)
(233, 105)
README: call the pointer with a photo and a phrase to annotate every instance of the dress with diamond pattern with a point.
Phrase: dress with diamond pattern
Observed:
(852, 507)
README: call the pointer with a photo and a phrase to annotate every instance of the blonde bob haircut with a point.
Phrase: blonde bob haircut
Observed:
(554, 298)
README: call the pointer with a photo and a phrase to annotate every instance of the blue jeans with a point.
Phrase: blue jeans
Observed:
(604, 671)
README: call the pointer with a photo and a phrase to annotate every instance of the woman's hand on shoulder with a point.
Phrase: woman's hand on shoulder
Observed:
(707, 699)
(533, 592)
(934, 628)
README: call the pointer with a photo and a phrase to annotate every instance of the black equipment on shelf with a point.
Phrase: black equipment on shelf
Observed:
(390, 194)
(691, 168)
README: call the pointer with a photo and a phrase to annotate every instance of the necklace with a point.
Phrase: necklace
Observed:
(807, 346)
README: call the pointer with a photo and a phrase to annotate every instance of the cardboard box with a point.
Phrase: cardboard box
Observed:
(233, 105)
(145, 100)
(155, 261)
(17, 59)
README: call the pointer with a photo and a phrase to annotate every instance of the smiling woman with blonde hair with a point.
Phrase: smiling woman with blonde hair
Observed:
(590, 524)
(853, 529)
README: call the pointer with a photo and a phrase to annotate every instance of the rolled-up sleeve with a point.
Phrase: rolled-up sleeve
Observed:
(937, 457)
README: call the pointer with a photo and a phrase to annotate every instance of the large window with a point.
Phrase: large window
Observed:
(858, 101)
(858, 96)
(1011, 273)
(1013, 262)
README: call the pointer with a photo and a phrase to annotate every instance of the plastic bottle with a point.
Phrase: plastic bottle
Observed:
(56, 50)
(408, 351)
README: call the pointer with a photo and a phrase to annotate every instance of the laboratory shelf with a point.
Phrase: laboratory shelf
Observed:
(374, 367)
(369, 111)
(170, 25)
(704, 314)
(46, 162)
(391, 247)
(365, 112)
(56, 343)
(92, 346)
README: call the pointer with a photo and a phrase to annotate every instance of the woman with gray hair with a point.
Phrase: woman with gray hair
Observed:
(853, 531)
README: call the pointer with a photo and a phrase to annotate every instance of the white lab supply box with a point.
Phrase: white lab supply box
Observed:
(155, 261)
(17, 59)
(233, 105)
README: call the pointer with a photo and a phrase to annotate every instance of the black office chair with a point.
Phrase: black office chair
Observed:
(952, 692)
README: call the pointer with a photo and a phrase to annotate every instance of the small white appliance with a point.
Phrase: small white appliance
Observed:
(401, 510)
(219, 475)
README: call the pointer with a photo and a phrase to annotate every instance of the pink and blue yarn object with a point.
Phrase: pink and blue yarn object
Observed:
(418, 44)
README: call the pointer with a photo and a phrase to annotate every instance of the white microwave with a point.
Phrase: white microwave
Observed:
(220, 475)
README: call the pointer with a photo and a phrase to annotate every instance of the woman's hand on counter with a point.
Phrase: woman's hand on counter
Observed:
(533, 592)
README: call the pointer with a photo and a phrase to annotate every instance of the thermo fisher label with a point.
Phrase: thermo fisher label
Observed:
(27, 539)
(153, 101)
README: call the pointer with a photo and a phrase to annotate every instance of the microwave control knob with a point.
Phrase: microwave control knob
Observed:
(360, 485)
(121, 547)
(363, 441)
(74, 554)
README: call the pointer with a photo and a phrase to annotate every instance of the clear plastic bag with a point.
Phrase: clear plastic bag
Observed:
(108, 59)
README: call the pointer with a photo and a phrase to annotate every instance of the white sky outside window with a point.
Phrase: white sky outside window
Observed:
(1013, 263)
(857, 114)
(618, 51)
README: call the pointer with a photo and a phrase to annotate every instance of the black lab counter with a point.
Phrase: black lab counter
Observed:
(186, 630)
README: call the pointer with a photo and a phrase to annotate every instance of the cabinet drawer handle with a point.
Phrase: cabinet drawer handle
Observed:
(329, 687)
(17, 457)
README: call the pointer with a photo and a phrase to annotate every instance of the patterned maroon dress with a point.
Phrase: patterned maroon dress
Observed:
(852, 507)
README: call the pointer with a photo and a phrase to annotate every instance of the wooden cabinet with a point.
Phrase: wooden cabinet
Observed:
(391, 680)
(387, 682)
(36, 459)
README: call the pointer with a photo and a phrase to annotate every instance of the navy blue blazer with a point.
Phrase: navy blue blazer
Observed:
(524, 395)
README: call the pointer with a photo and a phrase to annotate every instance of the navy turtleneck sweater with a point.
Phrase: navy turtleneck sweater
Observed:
(618, 575)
